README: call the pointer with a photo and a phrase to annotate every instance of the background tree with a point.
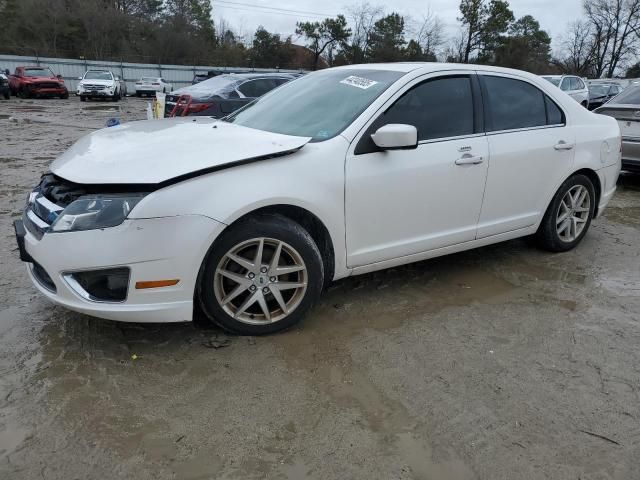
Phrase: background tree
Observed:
(362, 19)
(615, 25)
(268, 51)
(484, 22)
(387, 41)
(526, 47)
(430, 35)
(577, 48)
(323, 35)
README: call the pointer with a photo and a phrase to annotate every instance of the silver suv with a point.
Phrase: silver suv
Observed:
(574, 86)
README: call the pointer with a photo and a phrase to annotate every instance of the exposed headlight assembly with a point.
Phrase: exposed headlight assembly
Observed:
(95, 212)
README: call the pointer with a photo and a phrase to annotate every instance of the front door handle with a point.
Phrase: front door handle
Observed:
(469, 160)
(562, 145)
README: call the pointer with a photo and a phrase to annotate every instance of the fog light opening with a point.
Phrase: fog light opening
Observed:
(106, 285)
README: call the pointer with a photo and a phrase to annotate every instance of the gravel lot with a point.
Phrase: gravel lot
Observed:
(500, 363)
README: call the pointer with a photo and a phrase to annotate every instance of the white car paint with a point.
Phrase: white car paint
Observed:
(380, 209)
(152, 84)
(573, 86)
(99, 154)
(107, 87)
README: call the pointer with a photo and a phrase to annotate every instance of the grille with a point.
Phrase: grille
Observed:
(47, 85)
(94, 87)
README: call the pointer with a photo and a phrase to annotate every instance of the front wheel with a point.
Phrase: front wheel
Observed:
(261, 276)
(569, 216)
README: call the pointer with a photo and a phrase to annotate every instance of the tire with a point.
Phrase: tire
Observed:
(138, 94)
(259, 287)
(64, 96)
(7, 95)
(558, 235)
(83, 98)
(116, 96)
(22, 93)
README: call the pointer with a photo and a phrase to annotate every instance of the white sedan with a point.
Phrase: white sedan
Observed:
(341, 172)
(152, 85)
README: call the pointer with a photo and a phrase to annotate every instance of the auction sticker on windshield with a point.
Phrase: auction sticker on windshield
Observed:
(359, 82)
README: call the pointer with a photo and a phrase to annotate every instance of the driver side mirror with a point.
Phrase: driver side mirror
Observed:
(396, 136)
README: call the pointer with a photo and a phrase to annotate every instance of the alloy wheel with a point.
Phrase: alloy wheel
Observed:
(260, 281)
(573, 213)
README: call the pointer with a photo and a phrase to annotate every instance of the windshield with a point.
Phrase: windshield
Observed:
(96, 75)
(319, 105)
(630, 96)
(38, 72)
(554, 80)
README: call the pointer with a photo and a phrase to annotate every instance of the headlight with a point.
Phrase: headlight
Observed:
(93, 212)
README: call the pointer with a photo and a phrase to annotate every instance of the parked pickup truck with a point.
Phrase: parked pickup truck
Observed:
(37, 81)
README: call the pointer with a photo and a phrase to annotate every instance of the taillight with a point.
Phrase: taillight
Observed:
(198, 107)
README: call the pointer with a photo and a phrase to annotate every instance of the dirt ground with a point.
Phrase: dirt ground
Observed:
(500, 363)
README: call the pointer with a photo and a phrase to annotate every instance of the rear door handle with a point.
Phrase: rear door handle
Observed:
(469, 160)
(562, 145)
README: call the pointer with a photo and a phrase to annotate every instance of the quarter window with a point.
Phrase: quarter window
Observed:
(512, 104)
(438, 108)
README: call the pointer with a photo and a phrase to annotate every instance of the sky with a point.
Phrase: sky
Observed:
(281, 15)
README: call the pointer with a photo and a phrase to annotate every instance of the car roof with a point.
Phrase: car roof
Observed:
(428, 67)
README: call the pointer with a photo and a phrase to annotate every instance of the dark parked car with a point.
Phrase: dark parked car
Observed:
(4, 85)
(626, 109)
(219, 96)
(601, 93)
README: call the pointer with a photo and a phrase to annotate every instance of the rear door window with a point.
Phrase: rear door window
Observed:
(515, 104)
(256, 88)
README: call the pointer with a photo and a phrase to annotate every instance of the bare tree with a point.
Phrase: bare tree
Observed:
(455, 50)
(430, 34)
(577, 49)
(362, 18)
(615, 25)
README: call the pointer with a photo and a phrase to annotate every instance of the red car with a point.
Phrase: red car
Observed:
(36, 81)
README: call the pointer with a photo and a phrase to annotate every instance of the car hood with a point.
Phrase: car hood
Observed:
(96, 82)
(41, 79)
(153, 152)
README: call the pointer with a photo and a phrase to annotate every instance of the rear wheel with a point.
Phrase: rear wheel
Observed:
(568, 218)
(261, 276)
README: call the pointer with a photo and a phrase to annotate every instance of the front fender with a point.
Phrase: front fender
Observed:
(311, 178)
